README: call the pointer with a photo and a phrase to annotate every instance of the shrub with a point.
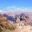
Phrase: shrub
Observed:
(1, 30)
(10, 27)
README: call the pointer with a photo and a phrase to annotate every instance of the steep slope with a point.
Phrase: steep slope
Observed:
(4, 24)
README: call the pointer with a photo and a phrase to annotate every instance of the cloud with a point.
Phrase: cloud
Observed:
(16, 9)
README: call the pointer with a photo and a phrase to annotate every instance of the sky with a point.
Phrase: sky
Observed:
(15, 5)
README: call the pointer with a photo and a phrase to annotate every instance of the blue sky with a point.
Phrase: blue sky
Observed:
(4, 4)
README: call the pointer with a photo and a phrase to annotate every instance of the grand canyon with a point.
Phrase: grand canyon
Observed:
(21, 22)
